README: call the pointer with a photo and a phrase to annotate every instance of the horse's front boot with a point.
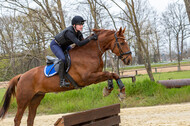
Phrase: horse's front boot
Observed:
(122, 89)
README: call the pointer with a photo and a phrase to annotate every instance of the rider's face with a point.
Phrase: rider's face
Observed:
(79, 27)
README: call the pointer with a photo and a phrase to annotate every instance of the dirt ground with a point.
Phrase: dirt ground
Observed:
(161, 69)
(164, 115)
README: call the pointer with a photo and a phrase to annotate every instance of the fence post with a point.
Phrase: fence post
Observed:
(155, 70)
(136, 72)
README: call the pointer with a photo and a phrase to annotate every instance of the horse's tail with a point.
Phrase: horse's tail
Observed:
(7, 97)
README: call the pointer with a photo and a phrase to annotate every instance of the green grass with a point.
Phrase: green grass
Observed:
(77, 100)
(142, 93)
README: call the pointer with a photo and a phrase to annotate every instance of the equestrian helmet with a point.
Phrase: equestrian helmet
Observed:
(78, 20)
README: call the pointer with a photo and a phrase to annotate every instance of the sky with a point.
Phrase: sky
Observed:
(160, 5)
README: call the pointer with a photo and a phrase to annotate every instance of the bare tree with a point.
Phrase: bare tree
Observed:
(175, 20)
(44, 11)
(132, 17)
(24, 37)
(94, 12)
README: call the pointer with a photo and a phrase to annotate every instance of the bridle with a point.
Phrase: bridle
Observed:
(119, 47)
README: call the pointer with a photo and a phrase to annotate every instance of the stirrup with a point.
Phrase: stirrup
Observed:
(63, 83)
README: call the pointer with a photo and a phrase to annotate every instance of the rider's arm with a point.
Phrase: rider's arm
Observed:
(80, 36)
(75, 40)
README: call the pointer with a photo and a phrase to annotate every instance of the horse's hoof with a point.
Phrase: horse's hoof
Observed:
(105, 92)
(121, 96)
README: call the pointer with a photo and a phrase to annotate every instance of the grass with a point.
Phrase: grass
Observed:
(142, 93)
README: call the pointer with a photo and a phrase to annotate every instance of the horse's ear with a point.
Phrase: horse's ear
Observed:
(124, 30)
(120, 31)
(96, 30)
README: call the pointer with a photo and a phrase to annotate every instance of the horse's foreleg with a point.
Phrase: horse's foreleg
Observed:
(102, 76)
(122, 89)
(33, 107)
(107, 90)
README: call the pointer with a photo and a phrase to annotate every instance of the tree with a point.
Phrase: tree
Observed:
(24, 37)
(44, 10)
(94, 12)
(136, 17)
(174, 20)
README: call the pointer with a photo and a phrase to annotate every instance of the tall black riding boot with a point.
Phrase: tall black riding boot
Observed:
(62, 73)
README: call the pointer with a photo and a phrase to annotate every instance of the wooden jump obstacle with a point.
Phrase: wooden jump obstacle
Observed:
(105, 116)
(175, 83)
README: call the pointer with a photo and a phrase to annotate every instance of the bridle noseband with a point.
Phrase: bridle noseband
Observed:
(119, 47)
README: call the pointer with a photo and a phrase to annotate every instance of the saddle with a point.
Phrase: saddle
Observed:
(52, 66)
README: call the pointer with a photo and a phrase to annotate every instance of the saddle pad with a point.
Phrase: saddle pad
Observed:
(49, 70)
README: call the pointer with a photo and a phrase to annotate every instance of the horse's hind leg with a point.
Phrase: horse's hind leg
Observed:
(19, 114)
(22, 102)
(33, 107)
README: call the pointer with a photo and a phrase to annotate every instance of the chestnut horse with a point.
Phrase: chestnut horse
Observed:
(86, 68)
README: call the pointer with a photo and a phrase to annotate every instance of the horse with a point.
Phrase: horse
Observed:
(86, 68)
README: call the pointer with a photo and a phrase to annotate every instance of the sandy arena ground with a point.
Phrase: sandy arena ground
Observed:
(164, 115)
(162, 69)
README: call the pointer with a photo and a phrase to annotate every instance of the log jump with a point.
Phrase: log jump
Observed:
(175, 83)
(104, 116)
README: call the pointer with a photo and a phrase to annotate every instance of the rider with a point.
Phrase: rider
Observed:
(64, 39)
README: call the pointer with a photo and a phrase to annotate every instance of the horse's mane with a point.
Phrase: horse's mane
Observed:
(98, 32)
(101, 31)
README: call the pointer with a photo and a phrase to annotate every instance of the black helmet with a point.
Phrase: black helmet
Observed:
(78, 20)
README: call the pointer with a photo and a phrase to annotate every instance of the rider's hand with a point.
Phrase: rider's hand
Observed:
(93, 37)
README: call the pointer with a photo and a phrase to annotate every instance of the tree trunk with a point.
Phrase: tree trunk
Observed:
(92, 4)
(182, 40)
(139, 53)
(137, 32)
(118, 72)
(170, 47)
(178, 52)
(187, 5)
(147, 61)
(60, 10)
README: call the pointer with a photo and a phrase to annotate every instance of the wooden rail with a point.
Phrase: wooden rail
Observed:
(154, 69)
(105, 116)
(127, 76)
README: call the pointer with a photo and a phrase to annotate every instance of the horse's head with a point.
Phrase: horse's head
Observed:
(116, 42)
(120, 47)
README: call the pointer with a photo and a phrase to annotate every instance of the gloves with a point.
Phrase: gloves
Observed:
(93, 37)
